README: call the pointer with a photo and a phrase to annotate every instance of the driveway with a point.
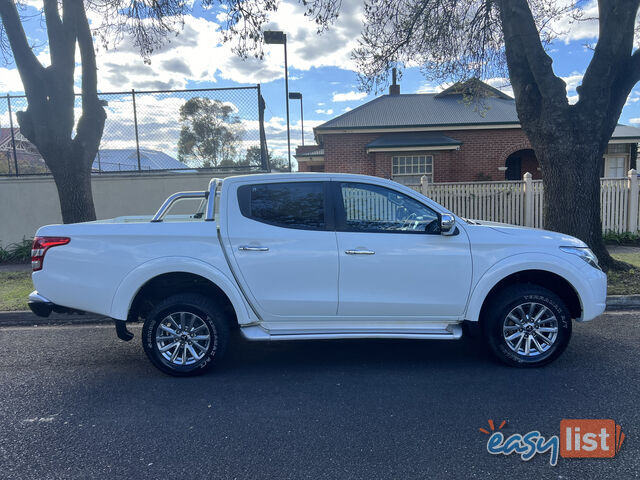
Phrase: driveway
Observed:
(75, 402)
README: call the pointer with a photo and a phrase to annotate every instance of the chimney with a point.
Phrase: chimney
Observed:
(394, 88)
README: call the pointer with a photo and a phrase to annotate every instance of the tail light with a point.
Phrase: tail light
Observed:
(40, 247)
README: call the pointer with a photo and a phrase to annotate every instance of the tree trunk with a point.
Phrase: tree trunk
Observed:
(571, 178)
(74, 191)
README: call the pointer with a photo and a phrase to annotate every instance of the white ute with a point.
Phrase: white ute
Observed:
(317, 256)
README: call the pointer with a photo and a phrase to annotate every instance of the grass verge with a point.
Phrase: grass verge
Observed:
(625, 283)
(15, 287)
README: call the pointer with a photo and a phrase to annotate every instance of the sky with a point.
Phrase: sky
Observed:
(320, 67)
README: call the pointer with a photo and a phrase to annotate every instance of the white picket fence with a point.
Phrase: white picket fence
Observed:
(521, 202)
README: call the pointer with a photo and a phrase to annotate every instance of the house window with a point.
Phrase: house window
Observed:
(614, 167)
(408, 170)
(618, 148)
(616, 160)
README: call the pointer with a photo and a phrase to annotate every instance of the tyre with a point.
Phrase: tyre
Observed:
(185, 334)
(527, 326)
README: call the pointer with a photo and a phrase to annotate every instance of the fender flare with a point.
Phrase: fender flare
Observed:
(518, 263)
(138, 277)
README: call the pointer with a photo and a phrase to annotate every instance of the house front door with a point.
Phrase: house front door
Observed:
(514, 168)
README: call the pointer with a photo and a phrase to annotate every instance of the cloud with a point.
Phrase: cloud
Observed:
(325, 112)
(349, 96)
(198, 53)
(634, 120)
(10, 80)
(569, 29)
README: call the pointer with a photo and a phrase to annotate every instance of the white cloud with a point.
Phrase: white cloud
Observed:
(569, 29)
(634, 120)
(429, 87)
(10, 80)
(198, 54)
(349, 96)
(502, 84)
(329, 111)
(347, 109)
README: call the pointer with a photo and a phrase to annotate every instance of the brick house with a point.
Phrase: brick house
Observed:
(441, 136)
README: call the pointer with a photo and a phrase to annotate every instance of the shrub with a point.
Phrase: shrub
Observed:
(16, 252)
(625, 238)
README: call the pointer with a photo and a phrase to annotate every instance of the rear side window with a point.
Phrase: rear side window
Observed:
(290, 205)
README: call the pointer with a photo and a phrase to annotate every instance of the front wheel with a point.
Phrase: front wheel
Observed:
(527, 326)
(185, 334)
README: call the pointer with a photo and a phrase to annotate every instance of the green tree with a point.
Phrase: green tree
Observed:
(211, 133)
(253, 157)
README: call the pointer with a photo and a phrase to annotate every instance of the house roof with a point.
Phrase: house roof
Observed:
(446, 109)
(314, 153)
(413, 139)
(5, 134)
(114, 160)
(625, 132)
(424, 110)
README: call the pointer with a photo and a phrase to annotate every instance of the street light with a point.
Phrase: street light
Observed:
(298, 96)
(277, 37)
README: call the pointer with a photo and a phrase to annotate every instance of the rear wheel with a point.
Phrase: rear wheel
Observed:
(527, 326)
(185, 334)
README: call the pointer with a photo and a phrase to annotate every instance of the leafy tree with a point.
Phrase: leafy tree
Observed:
(280, 164)
(210, 134)
(69, 146)
(253, 157)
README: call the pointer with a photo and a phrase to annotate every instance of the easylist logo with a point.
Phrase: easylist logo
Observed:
(579, 438)
(594, 438)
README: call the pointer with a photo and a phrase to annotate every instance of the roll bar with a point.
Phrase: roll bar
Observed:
(209, 195)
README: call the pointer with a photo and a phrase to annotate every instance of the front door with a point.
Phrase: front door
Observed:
(283, 249)
(514, 168)
(393, 260)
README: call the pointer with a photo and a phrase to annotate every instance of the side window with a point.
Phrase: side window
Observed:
(290, 205)
(371, 208)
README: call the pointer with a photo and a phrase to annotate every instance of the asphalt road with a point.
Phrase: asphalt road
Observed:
(75, 402)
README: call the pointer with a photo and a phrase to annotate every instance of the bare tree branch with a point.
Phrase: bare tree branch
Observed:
(30, 69)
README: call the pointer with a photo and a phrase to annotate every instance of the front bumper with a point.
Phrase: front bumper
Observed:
(594, 298)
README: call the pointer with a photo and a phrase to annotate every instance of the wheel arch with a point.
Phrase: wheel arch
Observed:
(175, 275)
(553, 275)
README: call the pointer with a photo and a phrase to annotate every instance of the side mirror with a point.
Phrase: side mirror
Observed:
(447, 224)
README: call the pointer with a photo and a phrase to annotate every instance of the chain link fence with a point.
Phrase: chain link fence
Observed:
(162, 130)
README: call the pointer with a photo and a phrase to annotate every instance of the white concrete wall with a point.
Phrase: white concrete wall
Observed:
(27, 203)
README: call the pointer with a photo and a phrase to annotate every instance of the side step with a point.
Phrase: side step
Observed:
(450, 332)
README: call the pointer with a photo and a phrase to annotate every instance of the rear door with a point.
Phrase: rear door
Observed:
(283, 245)
(393, 261)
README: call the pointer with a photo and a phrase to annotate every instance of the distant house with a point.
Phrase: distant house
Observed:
(107, 160)
(126, 159)
(26, 154)
(442, 137)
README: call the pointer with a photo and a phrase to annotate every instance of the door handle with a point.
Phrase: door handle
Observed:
(248, 248)
(359, 252)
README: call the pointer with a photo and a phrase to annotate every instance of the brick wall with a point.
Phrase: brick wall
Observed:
(482, 152)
